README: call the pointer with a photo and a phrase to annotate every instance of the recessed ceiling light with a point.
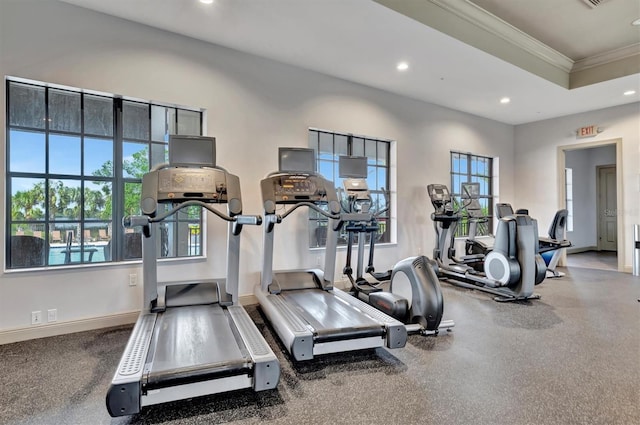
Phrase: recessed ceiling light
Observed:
(505, 100)
(402, 66)
(206, 1)
(636, 22)
(629, 92)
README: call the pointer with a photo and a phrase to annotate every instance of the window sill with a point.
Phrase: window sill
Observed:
(88, 266)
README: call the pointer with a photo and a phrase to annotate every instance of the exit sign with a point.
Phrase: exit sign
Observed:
(588, 131)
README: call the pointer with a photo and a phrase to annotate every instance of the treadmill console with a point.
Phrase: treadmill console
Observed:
(203, 184)
(292, 188)
(180, 184)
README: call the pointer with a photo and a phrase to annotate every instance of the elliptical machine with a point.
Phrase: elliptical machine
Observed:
(411, 291)
(550, 247)
(510, 270)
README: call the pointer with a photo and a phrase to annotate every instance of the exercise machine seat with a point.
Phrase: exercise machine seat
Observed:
(558, 225)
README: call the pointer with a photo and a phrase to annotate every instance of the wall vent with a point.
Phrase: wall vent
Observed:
(593, 3)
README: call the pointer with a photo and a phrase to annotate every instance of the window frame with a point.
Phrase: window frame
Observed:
(468, 175)
(378, 194)
(118, 179)
(568, 196)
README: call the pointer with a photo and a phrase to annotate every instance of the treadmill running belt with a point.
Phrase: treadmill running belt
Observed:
(331, 316)
(192, 342)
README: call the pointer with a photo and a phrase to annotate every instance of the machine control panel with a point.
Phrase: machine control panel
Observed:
(201, 184)
(356, 189)
(296, 188)
(181, 184)
(441, 201)
(290, 188)
(176, 184)
(439, 193)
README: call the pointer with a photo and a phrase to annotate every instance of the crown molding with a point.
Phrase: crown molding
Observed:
(607, 57)
(479, 17)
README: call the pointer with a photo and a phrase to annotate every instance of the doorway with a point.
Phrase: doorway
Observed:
(594, 199)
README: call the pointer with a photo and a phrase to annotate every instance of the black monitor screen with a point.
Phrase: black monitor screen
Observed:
(296, 159)
(192, 151)
(353, 167)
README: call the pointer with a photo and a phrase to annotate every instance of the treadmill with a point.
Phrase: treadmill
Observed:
(310, 316)
(191, 338)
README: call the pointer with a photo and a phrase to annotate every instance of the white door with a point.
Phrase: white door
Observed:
(607, 209)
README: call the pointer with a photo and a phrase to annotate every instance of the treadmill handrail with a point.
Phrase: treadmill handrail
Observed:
(313, 207)
(141, 220)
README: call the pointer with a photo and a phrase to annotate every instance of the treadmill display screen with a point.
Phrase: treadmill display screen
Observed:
(296, 159)
(192, 151)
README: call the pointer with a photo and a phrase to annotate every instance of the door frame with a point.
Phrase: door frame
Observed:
(599, 203)
(621, 252)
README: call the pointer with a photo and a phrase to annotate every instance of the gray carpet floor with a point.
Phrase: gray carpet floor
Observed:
(572, 357)
(601, 260)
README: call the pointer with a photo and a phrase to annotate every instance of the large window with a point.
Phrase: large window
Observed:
(466, 167)
(329, 147)
(75, 162)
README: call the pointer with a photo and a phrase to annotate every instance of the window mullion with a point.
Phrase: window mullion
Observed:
(118, 183)
(47, 180)
(83, 242)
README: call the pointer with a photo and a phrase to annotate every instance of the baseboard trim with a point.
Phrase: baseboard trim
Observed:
(54, 329)
(247, 300)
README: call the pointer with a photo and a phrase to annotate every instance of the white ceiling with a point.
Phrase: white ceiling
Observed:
(362, 41)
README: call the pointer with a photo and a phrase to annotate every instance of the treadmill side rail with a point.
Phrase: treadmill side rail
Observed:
(293, 332)
(123, 397)
(266, 368)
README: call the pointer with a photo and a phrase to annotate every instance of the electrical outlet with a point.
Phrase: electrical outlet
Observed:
(52, 315)
(133, 279)
(318, 260)
(36, 317)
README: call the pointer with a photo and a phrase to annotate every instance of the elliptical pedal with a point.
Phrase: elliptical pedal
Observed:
(367, 289)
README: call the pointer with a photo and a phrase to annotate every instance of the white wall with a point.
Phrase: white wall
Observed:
(253, 105)
(537, 174)
(583, 162)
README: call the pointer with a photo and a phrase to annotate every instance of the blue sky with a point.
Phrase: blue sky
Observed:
(27, 154)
